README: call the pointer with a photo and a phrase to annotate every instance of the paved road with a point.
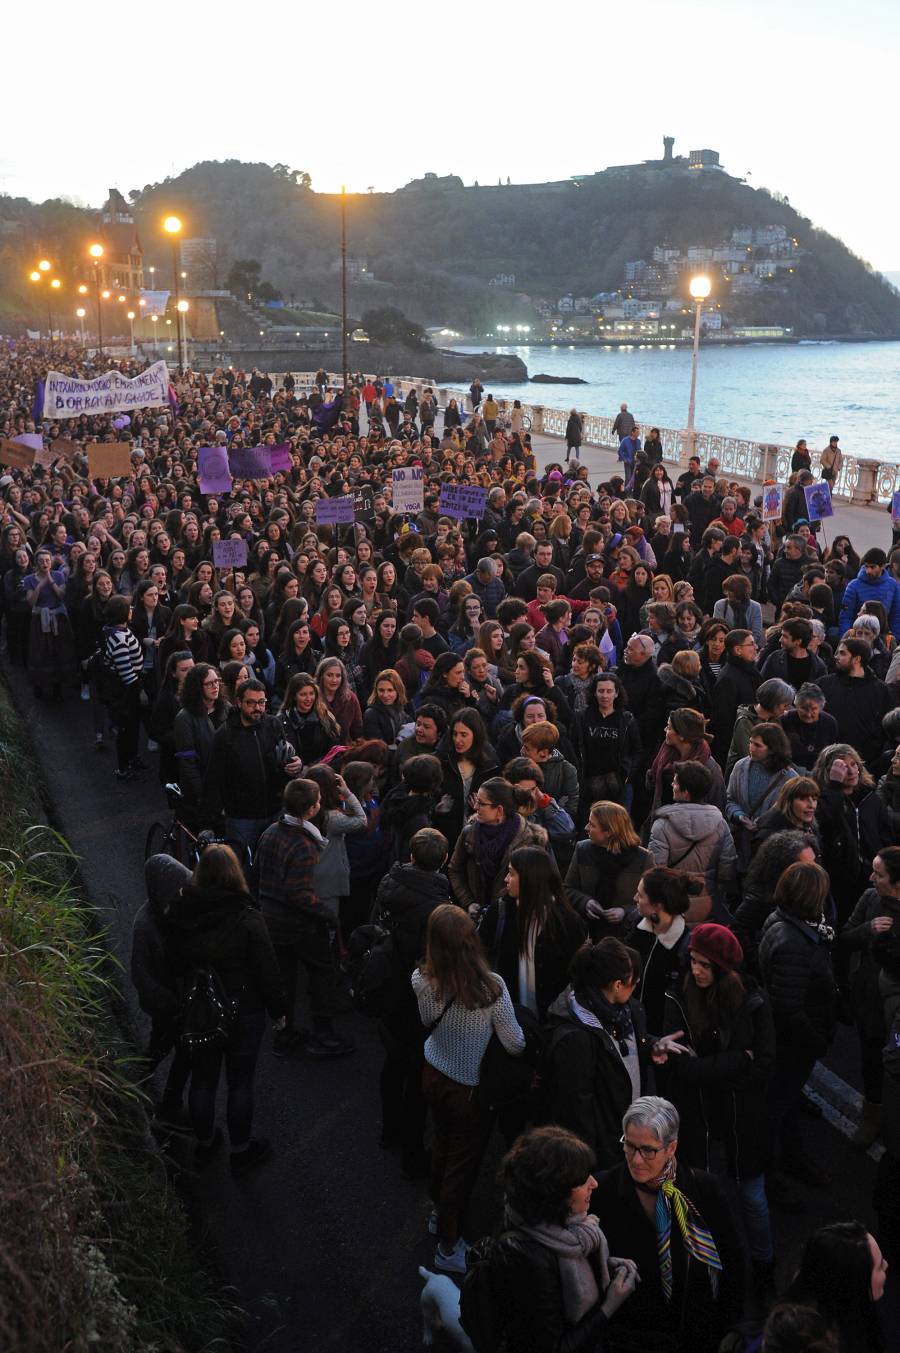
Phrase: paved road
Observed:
(321, 1245)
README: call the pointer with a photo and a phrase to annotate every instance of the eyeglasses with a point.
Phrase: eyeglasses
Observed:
(645, 1152)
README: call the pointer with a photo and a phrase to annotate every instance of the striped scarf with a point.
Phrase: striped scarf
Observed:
(696, 1238)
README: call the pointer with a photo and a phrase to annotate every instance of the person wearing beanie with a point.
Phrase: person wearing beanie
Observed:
(720, 1091)
(873, 583)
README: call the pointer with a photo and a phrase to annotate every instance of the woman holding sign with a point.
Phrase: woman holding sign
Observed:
(51, 647)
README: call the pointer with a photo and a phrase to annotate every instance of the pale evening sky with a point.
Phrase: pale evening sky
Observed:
(799, 93)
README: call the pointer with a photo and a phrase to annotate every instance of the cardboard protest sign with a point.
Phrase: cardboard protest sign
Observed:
(818, 501)
(462, 500)
(213, 474)
(15, 455)
(334, 511)
(250, 462)
(408, 489)
(229, 553)
(63, 449)
(109, 460)
(772, 502)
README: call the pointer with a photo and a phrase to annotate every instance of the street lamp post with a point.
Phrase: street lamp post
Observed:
(172, 227)
(154, 320)
(131, 322)
(55, 285)
(80, 312)
(181, 320)
(700, 287)
(344, 363)
(96, 253)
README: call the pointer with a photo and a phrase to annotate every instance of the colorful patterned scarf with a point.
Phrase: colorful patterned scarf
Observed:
(696, 1238)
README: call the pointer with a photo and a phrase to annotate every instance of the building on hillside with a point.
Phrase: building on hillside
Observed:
(199, 259)
(504, 280)
(704, 159)
(122, 264)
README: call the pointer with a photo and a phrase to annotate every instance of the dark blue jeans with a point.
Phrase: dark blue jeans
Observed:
(239, 1054)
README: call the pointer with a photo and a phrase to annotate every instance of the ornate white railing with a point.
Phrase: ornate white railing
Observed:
(861, 482)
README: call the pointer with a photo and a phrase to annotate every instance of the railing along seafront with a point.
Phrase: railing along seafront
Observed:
(862, 483)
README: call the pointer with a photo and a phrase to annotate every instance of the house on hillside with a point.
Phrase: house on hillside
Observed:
(122, 264)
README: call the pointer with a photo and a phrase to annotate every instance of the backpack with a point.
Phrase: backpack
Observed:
(103, 675)
(372, 965)
(480, 1310)
(207, 1011)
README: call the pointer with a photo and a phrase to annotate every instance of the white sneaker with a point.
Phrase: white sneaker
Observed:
(455, 1261)
(85, 691)
(152, 746)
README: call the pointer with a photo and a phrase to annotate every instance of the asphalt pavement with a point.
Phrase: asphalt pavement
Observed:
(321, 1246)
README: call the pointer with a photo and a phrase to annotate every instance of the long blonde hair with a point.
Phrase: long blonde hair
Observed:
(454, 962)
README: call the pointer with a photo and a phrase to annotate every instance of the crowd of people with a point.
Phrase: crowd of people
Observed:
(593, 803)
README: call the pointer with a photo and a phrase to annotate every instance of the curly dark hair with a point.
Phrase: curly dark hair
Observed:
(541, 1170)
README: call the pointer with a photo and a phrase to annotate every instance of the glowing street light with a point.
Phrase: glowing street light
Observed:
(131, 322)
(82, 290)
(81, 312)
(172, 226)
(34, 276)
(699, 287)
(44, 265)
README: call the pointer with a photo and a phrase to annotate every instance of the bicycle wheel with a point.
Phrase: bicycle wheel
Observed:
(526, 422)
(159, 840)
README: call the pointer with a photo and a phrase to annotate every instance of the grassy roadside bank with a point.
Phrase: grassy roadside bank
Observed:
(94, 1242)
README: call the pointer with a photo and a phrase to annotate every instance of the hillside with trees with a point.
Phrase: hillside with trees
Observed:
(430, 249)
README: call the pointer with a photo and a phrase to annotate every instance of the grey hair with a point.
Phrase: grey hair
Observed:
(774, 692)
(868, 622)
(658, 1115)
(810, 691)
(819, 629)
(485, 566)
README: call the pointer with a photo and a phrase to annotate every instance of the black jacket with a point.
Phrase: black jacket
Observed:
(526, 1284)
(858, 704)
(606, 877)
(222, 930)
(308, 736)
(242, 779)
(452, 811)
(553, 949)
(644, 693)
(406, 897)
(606, 745)
(402, 814)
(852, 833)
(693, 1320)
(584, 1081)
(151, 972)
(720, 1093)
(737, 685)
(193, 738)
(795, 962)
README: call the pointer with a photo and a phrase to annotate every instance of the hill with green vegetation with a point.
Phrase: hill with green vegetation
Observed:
(431, 249)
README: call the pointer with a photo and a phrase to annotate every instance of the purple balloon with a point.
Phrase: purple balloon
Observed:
(121, 422)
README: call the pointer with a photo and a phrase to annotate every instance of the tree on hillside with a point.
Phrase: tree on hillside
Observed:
(387, 324)
(266, 292)
(298, 176)
(243, 276)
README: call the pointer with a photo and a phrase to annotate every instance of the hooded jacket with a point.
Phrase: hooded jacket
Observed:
(151, 971)
(695, 838)
(679, 692)
(795, 962)
(862, 589)
(402, 814)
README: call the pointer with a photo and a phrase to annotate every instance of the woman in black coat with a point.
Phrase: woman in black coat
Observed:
(309, 726)
(681, 1302)
(467, 760)
(796, 966)
(215, 923)
(852, 820)
(607, 741)
(597, 1052)
(719, 1092)
(605, 870)
(530, 932)
(552, 1284)
(387, 710)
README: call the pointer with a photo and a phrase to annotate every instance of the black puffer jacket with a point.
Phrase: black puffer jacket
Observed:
(720, 1093)
(402, 814)
(151, 971)
(866, 947)
(584, 1081)
(795, 962)
(406, 897)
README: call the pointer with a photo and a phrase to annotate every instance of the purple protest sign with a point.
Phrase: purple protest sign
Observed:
(250, 462)
(334, 511)
(213, 474)
(462, 500)
(280, 458)
(229, 553)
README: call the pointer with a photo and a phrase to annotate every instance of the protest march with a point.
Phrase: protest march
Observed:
(567, 807)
